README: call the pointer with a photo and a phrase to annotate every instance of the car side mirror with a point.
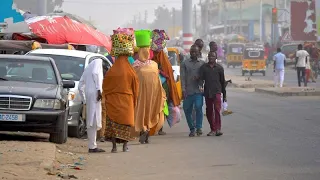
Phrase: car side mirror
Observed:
(68, 84)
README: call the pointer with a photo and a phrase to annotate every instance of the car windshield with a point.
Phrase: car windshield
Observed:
(27, 71)
(70, 68)
(173, 58)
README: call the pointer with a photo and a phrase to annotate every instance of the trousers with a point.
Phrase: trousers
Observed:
(213, 112)
(278, 77)
(301, 73)
(194, 101)
(92, 136)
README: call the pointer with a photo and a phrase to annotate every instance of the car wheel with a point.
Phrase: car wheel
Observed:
(78, 131)
(60, 135)
(234, 66)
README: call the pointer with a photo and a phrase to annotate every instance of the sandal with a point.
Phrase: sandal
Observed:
(114, 150)
(96, 150)
(143, 137)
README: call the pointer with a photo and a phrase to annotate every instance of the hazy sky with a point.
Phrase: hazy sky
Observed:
(111, 14)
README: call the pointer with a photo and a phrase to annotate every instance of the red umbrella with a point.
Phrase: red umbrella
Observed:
(62, 29)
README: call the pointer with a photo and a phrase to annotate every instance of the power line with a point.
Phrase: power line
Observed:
(120, 3)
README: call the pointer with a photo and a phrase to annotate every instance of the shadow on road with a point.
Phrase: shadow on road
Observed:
(19, 136)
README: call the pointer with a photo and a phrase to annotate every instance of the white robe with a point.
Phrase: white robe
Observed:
(90, 82)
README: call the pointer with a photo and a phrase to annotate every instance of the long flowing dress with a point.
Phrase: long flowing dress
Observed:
(166, 70)
(149, 114)
(120, 90)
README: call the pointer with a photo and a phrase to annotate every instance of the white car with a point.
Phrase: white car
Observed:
(71, 64)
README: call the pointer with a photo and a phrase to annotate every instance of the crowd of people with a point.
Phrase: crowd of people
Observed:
(138, 93)
(306, 65)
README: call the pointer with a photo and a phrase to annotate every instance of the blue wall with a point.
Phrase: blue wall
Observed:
(6, 11)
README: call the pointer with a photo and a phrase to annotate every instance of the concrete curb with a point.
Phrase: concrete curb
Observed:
(277, 92)
(249, 85)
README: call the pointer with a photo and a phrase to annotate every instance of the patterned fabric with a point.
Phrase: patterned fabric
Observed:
(122, 44)
(159, 40)
(139, 63)
(121, 132)
(127, 31)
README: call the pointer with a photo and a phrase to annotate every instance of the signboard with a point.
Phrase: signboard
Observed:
(286, 37)
(303, 20)
(318, 18)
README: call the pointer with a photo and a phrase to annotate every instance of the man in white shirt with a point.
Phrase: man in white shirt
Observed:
(90, 88)
(301, 61)
(278, 68)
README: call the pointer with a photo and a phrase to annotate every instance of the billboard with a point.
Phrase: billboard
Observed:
(303, 20)
(318, 18)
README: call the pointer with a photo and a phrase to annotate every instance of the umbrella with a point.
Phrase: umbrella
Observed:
(62, 30)
(72, 16)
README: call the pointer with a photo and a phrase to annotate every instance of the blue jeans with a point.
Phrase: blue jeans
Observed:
(193, 101)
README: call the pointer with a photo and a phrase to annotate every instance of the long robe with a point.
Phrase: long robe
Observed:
(89, 84)
(151, 98)
(165, 67)
(120, 90)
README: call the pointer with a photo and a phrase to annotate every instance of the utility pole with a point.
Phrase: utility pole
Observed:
(174, 21)
(261, 16)
(240, 17)
(146, 17)
(195, 19)
(42, 7)
(187, 24)
(225, 17)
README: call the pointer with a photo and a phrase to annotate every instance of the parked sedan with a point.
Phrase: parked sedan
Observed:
(33, 97)
(71, 64)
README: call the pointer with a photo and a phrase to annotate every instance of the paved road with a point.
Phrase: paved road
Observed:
(290, 76)
(267, 138)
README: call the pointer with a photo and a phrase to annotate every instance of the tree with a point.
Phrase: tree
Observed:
(31, 5)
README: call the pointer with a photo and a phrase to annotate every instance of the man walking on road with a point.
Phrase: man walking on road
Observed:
(214, 84)
(278, 68)
(200, 44)
(301, 61)
(90, 88)
(192, 94)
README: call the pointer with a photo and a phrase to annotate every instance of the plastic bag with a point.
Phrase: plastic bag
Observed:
(174, 115)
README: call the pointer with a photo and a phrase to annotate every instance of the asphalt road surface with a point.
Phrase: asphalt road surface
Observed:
(267, 138)
(290, 78)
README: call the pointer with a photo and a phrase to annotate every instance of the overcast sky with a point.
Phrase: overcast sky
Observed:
(111, 14)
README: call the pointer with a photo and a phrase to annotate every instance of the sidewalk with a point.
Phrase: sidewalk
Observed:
(26, 160)
(290, 91)
(248, 82)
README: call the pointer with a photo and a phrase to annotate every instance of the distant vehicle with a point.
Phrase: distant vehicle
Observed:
(289, 50)
(33, 97)
(71, 64)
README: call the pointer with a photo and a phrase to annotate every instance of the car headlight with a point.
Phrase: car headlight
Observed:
(71, 96)
(47, 104)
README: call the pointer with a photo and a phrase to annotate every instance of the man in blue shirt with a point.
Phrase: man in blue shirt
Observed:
(278, 68)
